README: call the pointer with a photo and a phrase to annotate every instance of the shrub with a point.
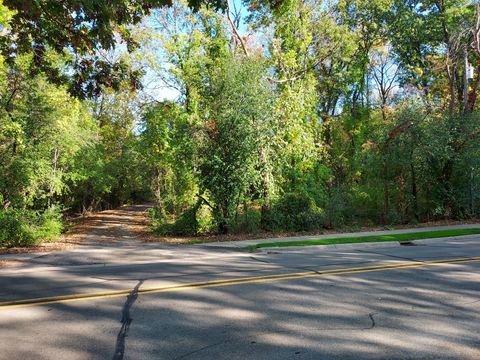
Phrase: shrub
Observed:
(28, 227)
(337, 208)
(247, 221)
(196, 220)
(48, 225)
(205, 220)
(294, 212)
(186, 224)
(156, 218)
(14, 230)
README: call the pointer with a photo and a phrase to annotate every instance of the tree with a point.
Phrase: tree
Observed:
(83, 30)
(41, 130)
(385, 75)
(301, 115)
(168, 150)
(237, 107)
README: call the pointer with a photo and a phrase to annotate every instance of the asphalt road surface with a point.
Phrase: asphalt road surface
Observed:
(196, 302)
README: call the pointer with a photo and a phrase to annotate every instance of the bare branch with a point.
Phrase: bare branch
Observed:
(235, 30)
(205, 201)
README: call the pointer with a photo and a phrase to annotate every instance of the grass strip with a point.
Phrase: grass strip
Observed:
(370, 238)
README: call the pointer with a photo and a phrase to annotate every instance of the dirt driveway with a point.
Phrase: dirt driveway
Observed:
(127, 224)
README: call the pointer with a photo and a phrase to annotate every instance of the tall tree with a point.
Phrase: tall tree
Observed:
(84, 30)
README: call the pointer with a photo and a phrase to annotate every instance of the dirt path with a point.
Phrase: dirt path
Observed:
(125, 225)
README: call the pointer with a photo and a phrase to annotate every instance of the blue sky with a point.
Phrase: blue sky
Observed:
(167, 93)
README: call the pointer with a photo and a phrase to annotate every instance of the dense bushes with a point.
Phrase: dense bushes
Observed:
(196, 220)
(294, 212)
(28, 227)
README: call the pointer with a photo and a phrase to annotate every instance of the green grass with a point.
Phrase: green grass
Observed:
(196, 241)
(370, 238)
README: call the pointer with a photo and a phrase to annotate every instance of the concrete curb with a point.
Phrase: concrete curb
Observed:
(375, 245)
(243, 243)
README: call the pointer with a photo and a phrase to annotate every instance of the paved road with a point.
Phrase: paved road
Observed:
(176, 302)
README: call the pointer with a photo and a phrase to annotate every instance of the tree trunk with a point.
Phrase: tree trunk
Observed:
(472, 96)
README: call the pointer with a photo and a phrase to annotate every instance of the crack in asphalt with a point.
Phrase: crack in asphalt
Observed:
(260, 260)
(126, 321)
(188, 354)
(468, 303)
(285, 266)
(402, 257)
(392, 256)
(338, 328)
(307, 268)
(370, 315)
(372, 320)
(201, 349)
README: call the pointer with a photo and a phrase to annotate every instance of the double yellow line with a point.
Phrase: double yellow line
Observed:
(227, 282)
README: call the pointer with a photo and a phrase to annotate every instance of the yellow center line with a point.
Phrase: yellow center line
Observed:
(228, 282)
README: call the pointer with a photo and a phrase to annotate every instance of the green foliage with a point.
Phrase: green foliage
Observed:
(355, 158)
(41, 131)
(196, 220)
(186, 224)
(247, 221)
(326, 114)
(14, 229)
(86, 27)
(167, 150)
(52, 150)
(49, 225)
(295, 212)
(28, 227)
(237, 107)
(5, 14)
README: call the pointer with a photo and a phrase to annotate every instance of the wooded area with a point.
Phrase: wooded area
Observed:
(292, 115)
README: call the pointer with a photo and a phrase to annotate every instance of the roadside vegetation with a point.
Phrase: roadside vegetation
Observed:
(29, 227)
(272, 116)
(403, 237)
